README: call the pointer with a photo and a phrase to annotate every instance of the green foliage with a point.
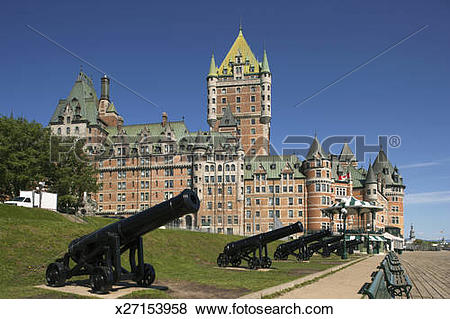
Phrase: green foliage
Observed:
(30, 155)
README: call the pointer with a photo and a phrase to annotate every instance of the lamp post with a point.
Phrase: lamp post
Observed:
(344, 215)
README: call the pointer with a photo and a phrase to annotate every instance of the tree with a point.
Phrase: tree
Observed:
(29, 155)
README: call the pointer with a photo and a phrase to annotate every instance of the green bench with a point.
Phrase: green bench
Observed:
(377, 289)
(389, 281)
(398, 283)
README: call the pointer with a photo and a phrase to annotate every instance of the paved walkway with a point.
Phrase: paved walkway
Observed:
(429, 272)
(343, 284)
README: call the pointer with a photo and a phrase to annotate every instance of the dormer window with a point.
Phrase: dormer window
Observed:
(68, 120)
(238, 59)
(225, 71)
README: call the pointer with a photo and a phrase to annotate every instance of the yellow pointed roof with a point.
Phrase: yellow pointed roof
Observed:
(241, 48)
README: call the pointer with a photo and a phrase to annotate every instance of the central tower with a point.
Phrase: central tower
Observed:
(241, 85)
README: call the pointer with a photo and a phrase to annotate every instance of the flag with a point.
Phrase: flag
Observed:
(344, 177)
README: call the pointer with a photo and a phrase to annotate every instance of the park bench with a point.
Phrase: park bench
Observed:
(397, 268)
(397, 282)
(377, 289)
(390, 279)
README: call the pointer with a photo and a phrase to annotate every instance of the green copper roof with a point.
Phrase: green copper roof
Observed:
(347, 154)
(356, 176)
(315, 149)
(111, 108)
(212, 67)
(178, 128)
(370, 177)
(82, 100)
(265, 63)
(228, 120)
(273, 165)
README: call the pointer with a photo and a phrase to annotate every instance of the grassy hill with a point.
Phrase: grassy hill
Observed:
(184, 261)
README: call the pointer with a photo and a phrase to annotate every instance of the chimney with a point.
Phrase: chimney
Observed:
(164, 119)
(105, 88)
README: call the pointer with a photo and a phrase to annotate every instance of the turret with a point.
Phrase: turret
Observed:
(212, 93)
(266, 96)
(370, 185)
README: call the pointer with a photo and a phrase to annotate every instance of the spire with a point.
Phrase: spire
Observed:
(315, 149)
(347, 154)
(212, 67)
(370, 177)
(265, 63)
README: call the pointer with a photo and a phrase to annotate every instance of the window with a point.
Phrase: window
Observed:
(238, 99)
(253, 130)
(300, 201)
(59, 131)
(253, 108)
(317, 187)
(318, 173)
(253, 121)
(238, 90)
(224, 100)
(68, 131)
(252, 98)
(291, 213)
(291, 201)
(300, 213)
(248, 214)
(224, 91)
(238, 109)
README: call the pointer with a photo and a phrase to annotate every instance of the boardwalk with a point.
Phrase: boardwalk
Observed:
(429, 272)
(343, 284)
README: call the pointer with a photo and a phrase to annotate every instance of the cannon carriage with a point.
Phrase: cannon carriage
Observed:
(253, 249)
(321, 246)
(98, 254)
(298, 247)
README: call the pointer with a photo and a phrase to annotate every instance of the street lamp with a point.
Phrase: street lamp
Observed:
(344, 216)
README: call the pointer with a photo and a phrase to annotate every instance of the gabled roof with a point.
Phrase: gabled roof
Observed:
(347, 154)
(315, 150)
(83, 95)
(228, 119)
(241, 48)
(111, 108)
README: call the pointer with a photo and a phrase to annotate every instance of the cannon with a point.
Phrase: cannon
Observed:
(338, 247)
(284, 250)
(321, 244)
(98, 254)
(245, 249)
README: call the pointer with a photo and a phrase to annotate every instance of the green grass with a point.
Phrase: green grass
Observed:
(30, 239)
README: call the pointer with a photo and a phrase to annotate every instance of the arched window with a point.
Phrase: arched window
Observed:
(233, 167)
(59, 131)
(219, 168)
(77, 130)
(68, 130)
(227, 168)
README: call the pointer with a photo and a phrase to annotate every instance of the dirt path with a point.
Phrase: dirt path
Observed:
(429, 272)
(343, 284)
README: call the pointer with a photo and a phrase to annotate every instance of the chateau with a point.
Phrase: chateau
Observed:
(242, 187)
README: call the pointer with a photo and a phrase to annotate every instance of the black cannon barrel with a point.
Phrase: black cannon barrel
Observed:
(137, 225)
(264, 238)
(294, 244)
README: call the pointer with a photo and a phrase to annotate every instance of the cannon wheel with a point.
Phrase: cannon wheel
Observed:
(101, 279)
(266, 262)
(277, 255)
(236, 262)
(149, 276)
(222, 260)
(253, 263)
(55, 275)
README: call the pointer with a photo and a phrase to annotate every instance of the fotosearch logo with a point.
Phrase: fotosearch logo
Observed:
(301, 144)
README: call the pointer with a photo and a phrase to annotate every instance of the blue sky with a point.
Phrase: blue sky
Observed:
(162, 50)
